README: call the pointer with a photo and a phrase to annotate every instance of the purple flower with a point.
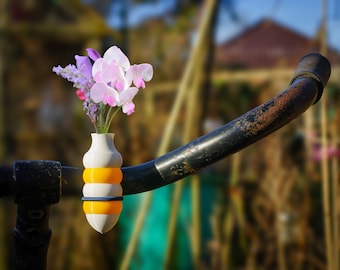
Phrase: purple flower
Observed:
(108, 81)
(93, 54)
(84, 66)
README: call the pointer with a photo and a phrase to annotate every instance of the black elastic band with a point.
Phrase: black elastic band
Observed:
(102, 199)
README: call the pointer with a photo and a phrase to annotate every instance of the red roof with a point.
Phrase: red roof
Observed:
(267, 44)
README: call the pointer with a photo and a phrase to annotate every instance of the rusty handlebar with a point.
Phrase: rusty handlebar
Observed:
(305, 89)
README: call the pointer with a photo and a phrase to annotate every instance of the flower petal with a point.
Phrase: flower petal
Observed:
(80, 94)
(138, 82)
(93, 54)
(115, 55)
(110, 73)
(101, 92)
(97, 69)
(115, 75)
(146, 71)
(139, 73)
(84, 65)
(129, 108)
(127, 95)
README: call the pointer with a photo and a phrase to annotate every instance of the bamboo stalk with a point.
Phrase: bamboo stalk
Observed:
(194, 77)
(196, 221)
(229, 221)
(188, 72)
(280, 244)
(214, 249)
(278, 199)
(329, 231)
(172, 222)
(184, 84)
(307, 175)
(228, 225)
(190, 132)
(335, 200)
(326, 187)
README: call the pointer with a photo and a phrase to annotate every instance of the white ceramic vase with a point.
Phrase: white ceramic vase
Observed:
(102, 192)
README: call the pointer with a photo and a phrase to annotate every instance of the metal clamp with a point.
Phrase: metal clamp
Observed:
(38, 185)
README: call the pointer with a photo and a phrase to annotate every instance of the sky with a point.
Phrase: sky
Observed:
(303, 16)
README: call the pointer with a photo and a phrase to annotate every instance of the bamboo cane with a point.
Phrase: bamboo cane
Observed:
(326, 187)
(335, 200)
(307, 174)
(196, 50)
(234, 211)
(329, 231)
(191, 131)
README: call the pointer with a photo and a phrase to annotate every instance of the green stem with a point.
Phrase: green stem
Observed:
(101, 126)
(110, 118)
(107, 123)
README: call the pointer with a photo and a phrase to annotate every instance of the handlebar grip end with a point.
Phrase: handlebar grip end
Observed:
(315, 66)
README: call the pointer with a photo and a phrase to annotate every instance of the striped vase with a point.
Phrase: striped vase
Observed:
(102, 192)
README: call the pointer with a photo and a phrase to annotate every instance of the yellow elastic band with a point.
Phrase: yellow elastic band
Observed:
(103, 207)
(102, 175)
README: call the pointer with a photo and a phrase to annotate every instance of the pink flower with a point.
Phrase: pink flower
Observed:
(113, 78)
(80, 94)
(116, 56)
(139, 74)
(101, 92)
(111, 74)
(108, 80)
(125, 100)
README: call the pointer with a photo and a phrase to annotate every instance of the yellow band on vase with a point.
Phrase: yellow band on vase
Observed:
(102, 207)
(102, 175)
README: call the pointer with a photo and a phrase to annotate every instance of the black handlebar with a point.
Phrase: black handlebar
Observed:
(306, 87)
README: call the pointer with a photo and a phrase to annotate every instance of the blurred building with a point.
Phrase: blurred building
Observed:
(268, 44)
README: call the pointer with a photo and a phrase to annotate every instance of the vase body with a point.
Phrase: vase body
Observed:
(102, 192)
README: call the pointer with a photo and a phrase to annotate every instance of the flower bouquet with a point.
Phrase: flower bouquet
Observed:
(105, 84)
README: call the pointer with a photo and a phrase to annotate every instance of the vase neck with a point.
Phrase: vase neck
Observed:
(102, 152)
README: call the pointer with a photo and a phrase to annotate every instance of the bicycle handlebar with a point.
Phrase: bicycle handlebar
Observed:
(305, 89)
